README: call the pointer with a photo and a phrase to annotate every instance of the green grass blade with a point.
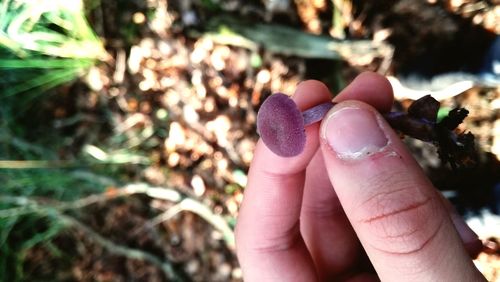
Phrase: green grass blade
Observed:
(44, 63)
(43, 82)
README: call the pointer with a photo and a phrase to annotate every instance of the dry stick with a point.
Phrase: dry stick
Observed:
(165, 266)
(109, 245)
(183, 204)
(201, 210)
(32, 206)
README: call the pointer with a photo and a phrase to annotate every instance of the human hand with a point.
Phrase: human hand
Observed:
(354, 189)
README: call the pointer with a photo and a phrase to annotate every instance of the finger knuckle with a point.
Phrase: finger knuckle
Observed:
(400, 216)
(281, 241)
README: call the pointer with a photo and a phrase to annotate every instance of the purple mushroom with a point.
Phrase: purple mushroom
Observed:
(281, 125)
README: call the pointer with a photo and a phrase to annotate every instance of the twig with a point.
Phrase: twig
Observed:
(387, 58)
(161, 193)
(33, 206)
(121, 66)
(201, 210)
(165, 266)
(183, 204)
(168, 214)
(30, 205)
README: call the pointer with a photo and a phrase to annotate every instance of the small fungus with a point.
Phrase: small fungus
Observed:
(281, 125)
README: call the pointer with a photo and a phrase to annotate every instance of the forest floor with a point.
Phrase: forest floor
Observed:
(175, 106)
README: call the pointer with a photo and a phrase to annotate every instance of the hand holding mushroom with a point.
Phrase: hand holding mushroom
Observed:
(281, 126)
(366, 209)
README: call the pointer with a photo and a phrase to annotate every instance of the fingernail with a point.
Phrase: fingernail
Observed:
(353, 133)
(465, 232)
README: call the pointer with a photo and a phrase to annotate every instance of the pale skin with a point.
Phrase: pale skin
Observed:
(322, 216)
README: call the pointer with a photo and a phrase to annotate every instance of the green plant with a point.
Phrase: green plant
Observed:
(24, 224)
(44, 44)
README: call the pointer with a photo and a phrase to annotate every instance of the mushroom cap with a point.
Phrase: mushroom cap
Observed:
(281, 126)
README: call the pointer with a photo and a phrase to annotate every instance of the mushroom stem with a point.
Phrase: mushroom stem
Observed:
(316, 113)
(417, 128)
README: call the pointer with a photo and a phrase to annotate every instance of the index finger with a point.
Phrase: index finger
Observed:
(269, 244)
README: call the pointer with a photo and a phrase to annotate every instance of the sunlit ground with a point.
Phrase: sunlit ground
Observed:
(136, 169)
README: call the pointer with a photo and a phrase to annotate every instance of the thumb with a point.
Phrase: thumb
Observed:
(394, 209)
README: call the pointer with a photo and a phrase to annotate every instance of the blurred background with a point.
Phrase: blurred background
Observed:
(127, 126)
